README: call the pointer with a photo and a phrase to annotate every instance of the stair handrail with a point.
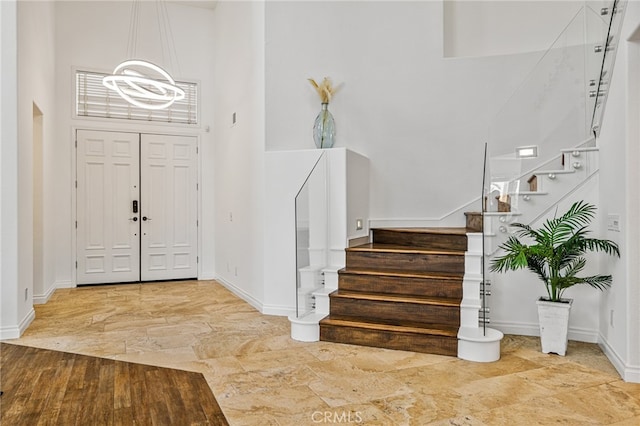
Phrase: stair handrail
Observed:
(617, 11)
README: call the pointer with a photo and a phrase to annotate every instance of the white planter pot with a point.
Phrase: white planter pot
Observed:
(554, 325)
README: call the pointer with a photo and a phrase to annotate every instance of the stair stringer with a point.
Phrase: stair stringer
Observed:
(475, 343)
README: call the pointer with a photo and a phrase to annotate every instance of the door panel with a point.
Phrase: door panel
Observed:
(108, 241)
(169, 204)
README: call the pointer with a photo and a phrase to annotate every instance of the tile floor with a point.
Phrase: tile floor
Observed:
(261, 377)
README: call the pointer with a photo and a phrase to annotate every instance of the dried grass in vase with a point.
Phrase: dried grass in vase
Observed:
(325, 89)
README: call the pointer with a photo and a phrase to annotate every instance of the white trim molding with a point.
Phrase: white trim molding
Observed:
(629, 373)
(277, 310)
(14, 332)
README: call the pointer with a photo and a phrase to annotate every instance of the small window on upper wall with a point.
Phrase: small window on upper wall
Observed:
(93, 99)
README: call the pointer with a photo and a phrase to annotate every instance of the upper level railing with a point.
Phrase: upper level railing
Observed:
(612, 16)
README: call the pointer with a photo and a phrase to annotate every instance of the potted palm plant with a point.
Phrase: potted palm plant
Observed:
(556, 256)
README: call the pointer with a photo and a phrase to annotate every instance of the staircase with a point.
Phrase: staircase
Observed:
(401, 291)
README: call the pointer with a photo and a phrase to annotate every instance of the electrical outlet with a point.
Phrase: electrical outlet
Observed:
(359, 224)
(26, 294)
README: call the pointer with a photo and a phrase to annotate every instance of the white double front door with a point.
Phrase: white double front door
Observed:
(136, 207)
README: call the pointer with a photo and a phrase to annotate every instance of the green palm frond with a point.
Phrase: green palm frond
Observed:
(556, 256)
(601, 282)
(575, 266)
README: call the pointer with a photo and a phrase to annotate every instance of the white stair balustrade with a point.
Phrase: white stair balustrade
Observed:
(475, 343)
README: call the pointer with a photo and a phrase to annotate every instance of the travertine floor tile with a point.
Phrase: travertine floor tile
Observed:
(436, 379)
(282, 402)
(341, 382)
(251, 382)
(612, 404)
(500, 391)
(419, 409)
(566, 377)
(261, 376)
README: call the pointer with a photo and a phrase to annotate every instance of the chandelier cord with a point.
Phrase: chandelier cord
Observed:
(140, 82)
(169, 39)
(132, 40)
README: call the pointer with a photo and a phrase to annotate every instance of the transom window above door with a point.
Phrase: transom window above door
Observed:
(93, 99)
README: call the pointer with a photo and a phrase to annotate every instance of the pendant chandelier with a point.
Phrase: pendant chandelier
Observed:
(140, 82)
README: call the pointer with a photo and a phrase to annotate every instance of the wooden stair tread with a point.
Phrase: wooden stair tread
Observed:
(403, 274)
(398, 327)
(397, 298)
(394, 248)
(441, 231)
(402, 291)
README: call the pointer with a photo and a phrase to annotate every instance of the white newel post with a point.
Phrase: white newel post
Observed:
(475, 343)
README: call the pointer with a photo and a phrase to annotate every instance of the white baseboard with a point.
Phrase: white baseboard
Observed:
(14, 332)
(65, 284)
(519, 329)
(280, 311)
(41, 299)
(629, 373)
(532, 329)
(240, 293)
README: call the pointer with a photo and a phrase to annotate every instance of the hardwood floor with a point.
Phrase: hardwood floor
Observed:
(41, 386)
(259, 376)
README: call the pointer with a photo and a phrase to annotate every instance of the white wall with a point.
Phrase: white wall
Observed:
(420, 118)
(36, 84)
(619, 176)
(238, 51)
(357, 199)
(482, 28)
(513, 295)
(12, 308)
(92, 35)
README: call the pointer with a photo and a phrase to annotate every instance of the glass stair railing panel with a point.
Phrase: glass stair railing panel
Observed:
(597, 17)
(542, 142)
(311, 206)
(548, 111)
(609, 43)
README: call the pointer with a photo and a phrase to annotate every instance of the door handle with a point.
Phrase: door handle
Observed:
(135, 219)
(144, 218)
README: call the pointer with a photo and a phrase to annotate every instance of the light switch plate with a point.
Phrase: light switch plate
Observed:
(613, 222)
